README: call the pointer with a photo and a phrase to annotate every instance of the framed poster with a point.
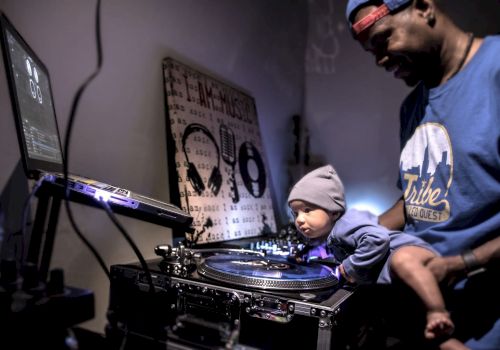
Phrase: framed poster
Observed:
(221, 175)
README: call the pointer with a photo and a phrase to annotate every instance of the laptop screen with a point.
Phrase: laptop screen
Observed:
(32, 102)
(38, 135)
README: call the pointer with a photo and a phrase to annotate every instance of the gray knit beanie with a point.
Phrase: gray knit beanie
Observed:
(321, 187)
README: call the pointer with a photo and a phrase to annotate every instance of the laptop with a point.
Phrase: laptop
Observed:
(40, 144)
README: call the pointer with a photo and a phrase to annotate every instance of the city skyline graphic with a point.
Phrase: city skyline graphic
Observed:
(426, 166)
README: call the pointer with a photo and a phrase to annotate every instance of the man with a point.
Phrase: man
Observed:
(450, 141)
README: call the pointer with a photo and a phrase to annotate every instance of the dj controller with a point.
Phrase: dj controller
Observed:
(228, 298)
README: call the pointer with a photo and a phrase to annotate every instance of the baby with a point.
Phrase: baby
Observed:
(366, 251)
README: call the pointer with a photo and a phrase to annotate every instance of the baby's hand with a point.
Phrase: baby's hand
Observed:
(344, 274)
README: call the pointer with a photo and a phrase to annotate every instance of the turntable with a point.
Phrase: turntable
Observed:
(266, 273)
(229, 298)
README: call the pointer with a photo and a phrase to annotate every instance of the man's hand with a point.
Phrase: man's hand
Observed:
(449, 269)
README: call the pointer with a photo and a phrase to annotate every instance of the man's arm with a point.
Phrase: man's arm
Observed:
(394, 218)
(488, 252)
(451, 267)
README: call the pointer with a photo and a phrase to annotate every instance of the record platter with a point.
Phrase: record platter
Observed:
(228, 298)
(266, 273)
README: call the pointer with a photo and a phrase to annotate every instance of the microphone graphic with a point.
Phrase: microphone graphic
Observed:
(228, 152)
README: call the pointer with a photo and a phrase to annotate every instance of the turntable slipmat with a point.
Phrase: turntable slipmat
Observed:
(266, 273)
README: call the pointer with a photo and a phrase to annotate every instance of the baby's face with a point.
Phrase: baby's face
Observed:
(311, 220)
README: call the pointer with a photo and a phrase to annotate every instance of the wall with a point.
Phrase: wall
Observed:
(352, 106)
(119, 133)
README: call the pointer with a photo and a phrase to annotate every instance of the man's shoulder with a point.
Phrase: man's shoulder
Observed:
(489, 50)
(492, 39)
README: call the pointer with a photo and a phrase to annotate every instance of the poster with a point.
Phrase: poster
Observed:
(220, 163)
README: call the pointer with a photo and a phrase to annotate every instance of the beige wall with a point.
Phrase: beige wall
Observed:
(119, 133)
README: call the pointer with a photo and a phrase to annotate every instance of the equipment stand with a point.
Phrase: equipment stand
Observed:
(37, 310)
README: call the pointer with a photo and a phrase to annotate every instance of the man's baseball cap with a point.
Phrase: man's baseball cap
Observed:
(385, 8)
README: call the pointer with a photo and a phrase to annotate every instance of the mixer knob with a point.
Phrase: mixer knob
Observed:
(163, 250)
(181, 251)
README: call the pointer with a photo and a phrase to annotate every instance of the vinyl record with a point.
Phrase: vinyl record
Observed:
(266, 273)
(252, 169)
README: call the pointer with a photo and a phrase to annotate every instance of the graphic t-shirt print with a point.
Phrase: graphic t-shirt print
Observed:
(426, 168)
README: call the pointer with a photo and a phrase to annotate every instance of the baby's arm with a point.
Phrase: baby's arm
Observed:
(370, 247)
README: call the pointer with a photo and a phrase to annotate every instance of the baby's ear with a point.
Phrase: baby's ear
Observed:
(335, 216)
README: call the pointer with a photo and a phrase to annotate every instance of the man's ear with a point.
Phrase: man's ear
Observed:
(427, 10)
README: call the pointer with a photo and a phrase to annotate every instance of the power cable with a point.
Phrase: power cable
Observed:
(69, 128)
